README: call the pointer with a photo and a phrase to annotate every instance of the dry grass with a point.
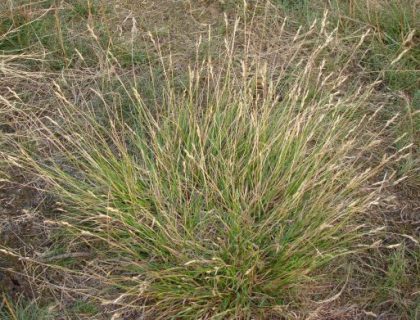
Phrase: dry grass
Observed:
(233, 166)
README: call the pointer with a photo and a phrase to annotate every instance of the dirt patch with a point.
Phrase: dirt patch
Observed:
(21, 232)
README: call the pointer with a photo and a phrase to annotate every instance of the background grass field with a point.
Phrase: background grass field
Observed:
(209, 159)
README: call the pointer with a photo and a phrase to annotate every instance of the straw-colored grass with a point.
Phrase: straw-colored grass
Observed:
(221, 200)
(238, 179)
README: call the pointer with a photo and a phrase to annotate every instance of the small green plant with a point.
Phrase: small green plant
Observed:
(81, 307)
(394, 287)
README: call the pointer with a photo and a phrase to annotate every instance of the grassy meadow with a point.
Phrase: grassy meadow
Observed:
(209, 159)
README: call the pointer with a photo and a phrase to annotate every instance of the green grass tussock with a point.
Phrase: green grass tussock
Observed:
(221, 201)
(213, 159)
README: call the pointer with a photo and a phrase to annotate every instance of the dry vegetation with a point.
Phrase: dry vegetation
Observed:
(209, 159)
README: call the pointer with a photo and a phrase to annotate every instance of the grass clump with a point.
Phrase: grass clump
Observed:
(393, 49)
(222, 201)
(61, 31)
(22, 310)
(392, 52)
